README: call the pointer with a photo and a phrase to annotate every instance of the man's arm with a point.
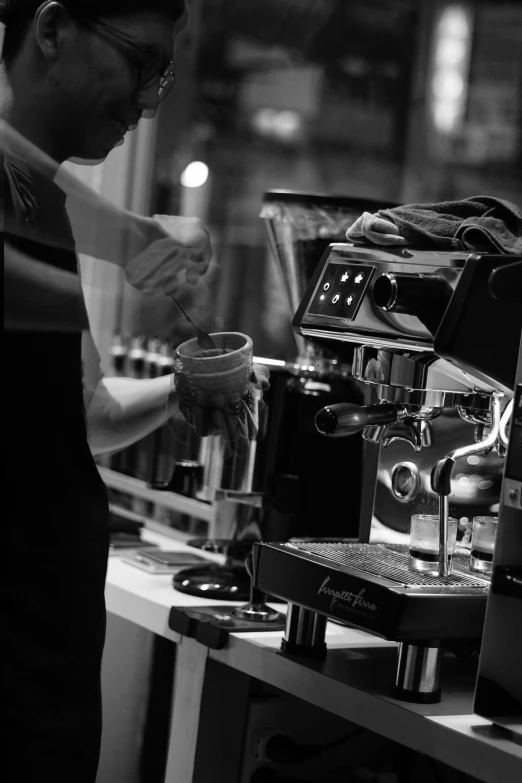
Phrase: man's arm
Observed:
(101, 229)
(105, 231)
(124, 410)
(39, 297)
(121, 411)
(152, 251)
(112, 234)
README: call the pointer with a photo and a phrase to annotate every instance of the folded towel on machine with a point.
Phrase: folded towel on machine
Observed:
(479, 223)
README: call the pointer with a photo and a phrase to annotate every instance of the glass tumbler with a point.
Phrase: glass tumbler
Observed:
(483, 536)
(215, 380)
(424, 543)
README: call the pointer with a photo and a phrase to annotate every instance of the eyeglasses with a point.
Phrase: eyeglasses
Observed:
(149, 60)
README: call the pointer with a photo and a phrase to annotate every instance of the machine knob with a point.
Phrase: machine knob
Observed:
(338, 421)
(409, 293)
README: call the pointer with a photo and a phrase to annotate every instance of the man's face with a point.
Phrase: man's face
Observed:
(96, 90)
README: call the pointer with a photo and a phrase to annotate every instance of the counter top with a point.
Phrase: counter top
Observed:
(353, 681)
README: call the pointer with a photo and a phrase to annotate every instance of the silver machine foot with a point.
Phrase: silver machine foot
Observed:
(304, 633)
(418, 673)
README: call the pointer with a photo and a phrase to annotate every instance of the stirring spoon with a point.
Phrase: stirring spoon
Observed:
(205, 341)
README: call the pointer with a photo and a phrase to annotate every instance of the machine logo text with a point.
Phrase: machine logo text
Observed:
(354, 600)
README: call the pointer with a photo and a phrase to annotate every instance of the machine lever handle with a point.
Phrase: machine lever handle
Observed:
(338, 421)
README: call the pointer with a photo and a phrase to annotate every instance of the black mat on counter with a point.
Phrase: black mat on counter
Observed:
(211, 625)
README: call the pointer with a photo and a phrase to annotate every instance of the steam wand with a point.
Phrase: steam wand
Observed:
(441, 479)
(504, 421)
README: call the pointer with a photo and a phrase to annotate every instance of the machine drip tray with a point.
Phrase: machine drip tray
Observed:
(370, 586)
(389, 562)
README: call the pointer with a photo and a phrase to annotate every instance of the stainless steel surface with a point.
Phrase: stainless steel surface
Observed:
(393, 292)
(304, 628)
(419, 398)
(257, 612)
(373, 325)
(426, 433)
(504, 421)
(402, 431)
(418, 372)
(227, 468)
(376, 341)
(480, 418)
(444, 564)
(441, 478)
(418, 669)
(488, 442)
(405, 481)
(373, 434)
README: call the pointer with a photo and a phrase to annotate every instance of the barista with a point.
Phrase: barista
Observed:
(75, 75)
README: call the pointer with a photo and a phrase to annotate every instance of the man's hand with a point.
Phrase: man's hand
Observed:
(260, 377)
(235, 428)
(177, 245)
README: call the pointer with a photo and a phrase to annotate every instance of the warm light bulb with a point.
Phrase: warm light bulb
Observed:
(195, 174)
(448, 85)
(449, 80)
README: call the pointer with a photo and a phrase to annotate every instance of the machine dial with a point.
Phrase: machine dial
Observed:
(405, 481)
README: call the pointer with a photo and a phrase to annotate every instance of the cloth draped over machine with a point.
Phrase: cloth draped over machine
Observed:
(481, 223)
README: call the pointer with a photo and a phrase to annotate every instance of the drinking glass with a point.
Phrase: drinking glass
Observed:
(483, 536)
(424, 543)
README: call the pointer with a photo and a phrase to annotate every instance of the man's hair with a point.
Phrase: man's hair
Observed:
(17, 15)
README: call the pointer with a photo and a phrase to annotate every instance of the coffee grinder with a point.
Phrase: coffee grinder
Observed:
(273, 484)
(431, 341)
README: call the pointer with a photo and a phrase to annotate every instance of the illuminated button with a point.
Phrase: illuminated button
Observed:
(326, 286)
(358, 279)
(345, 277)
(335, 298)
(349, 300)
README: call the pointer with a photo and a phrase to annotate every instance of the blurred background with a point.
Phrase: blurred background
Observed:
(399, 100)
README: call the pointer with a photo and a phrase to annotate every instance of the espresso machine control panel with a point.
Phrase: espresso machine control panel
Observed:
(341, 290)
(373, 295)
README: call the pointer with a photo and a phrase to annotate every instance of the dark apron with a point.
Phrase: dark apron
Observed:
(55, 533)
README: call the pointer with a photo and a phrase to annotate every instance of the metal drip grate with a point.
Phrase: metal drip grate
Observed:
(393, 565)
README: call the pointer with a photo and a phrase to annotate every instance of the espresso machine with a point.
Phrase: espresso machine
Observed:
(271, 485)
(438, 351)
